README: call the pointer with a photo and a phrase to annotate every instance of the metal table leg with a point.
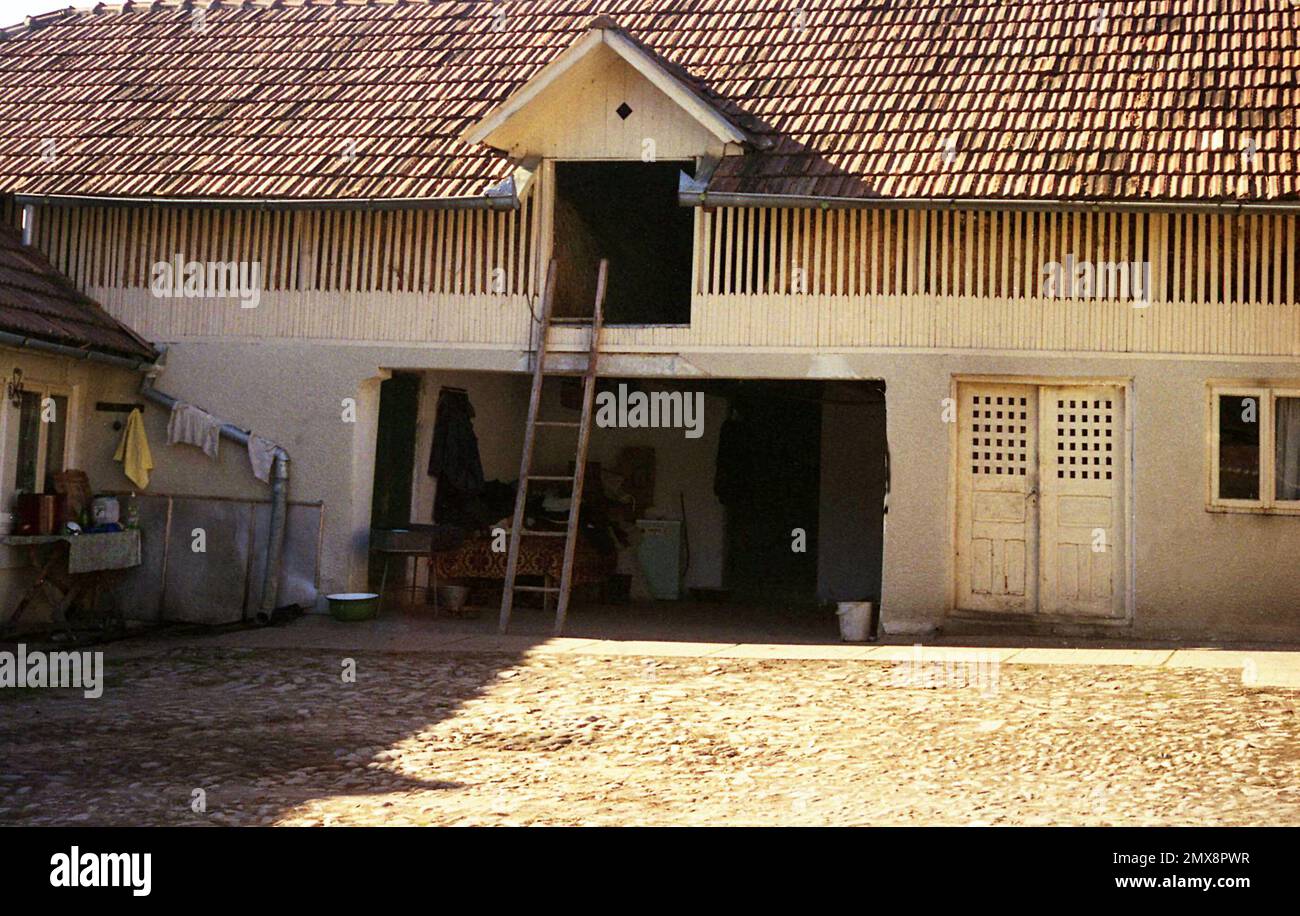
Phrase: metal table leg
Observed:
(383, 584)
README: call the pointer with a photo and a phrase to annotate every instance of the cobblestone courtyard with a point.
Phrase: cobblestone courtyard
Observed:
(277, 737)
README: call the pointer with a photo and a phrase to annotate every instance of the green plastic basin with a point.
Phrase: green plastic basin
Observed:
(353, 606)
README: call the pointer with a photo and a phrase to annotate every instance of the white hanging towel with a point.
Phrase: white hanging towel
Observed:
(261, 455)
(194, 426)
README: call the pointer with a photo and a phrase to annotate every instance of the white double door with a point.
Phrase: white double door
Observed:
(1040, 499)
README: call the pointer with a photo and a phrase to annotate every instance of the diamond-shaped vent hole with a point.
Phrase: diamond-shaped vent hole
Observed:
(623, 110)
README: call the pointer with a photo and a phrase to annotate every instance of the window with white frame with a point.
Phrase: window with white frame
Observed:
(1255, 448)
(40, 441)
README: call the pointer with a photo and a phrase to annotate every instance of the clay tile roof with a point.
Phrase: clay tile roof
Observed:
(1043, 99)
(37, 301)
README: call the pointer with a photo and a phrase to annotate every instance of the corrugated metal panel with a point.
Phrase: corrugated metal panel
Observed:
(208, 586)
(222, 583)
(139, 593)
(1011, 99)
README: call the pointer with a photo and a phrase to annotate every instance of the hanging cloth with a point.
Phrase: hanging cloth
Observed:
(133, 451)
(194, 426)
(261, 455)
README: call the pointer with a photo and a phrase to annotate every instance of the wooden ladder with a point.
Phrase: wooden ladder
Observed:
(526, 474)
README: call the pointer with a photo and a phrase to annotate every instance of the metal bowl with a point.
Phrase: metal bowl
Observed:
(452, 598)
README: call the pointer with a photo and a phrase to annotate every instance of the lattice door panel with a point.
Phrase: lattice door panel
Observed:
(997, 514)
(999, 435)
(1082, 530)
(1086, 433)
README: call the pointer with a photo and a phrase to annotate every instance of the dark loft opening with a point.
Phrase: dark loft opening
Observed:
(626, 212)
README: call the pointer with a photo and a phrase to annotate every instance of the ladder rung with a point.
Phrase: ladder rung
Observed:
(558, 423)
(536, 588)
(578, 321)
(550, 477)
(544, 534)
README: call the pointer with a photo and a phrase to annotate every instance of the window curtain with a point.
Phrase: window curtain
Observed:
(1288, 448)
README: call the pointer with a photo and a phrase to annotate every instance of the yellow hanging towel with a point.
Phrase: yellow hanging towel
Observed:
(133, 451)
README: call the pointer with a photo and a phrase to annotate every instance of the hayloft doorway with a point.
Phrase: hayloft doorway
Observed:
(626, 212)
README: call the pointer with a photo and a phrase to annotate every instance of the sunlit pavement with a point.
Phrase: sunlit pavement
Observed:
(398, 722)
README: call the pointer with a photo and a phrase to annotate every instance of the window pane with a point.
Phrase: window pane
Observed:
(1238, 447)
(29, 431)
(55, 441)
(1287, 434)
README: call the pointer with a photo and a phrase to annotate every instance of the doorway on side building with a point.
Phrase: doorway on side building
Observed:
(390, 501)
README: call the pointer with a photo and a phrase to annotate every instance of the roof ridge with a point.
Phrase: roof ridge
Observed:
(38, 21)
(32, 23)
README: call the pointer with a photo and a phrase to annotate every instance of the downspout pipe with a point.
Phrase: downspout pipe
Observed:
(279, 501)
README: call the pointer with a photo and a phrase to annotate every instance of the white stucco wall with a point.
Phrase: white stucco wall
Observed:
(1198, 574)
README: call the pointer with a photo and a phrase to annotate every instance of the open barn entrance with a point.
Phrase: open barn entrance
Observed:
(716, 509)
(766, 475)
(626, 212)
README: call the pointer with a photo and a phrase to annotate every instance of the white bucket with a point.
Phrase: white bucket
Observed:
(855, 620)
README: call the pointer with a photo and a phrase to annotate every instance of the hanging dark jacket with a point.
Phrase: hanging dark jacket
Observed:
(732, 474)
(454, 459)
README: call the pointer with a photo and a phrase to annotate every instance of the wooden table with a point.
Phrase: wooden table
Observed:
(69, 566)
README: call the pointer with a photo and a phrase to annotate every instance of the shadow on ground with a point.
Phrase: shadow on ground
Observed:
(250, 733)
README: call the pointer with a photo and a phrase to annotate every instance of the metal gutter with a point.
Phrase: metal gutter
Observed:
(21, 342)
(505, 200)
(689, 197)
(279, 468)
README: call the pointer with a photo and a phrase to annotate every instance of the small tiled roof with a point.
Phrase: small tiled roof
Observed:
(997, 99)
(38, 301)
